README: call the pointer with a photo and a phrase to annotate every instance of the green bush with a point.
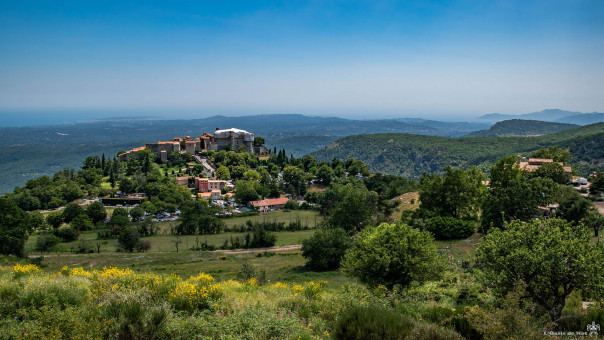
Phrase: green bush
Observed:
(360, 322)
(60, 294)
(325, 248)
(449, 228)
(82, 222)
(46, 242)
(292, 205)
(132, 316)
(67, 233)
(392, 254)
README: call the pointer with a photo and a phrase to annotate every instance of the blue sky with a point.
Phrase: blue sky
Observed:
(345, 58)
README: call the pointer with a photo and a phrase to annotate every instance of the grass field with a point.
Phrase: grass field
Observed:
(164, 242)
(162, 257)
(308, 218)
(284, 267)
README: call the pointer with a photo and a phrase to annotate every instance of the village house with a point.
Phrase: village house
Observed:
(269, 204)
(212, 195)
(535, 163)
(207, 184)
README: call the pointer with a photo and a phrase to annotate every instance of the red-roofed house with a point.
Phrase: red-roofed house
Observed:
(269, 204)
(535, 163)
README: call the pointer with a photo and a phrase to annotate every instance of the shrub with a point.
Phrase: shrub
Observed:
(128, 239)
(262, 238)
(391, 254)
(292, 205)
(26, 270)
(372, 323)
(82, 222)
(131, 316)
(67, 233)
(46, 242)
(143, 246)
(325, 248)
(60, 293)
(449, 228)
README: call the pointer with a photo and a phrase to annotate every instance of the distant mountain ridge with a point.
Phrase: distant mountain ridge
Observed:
(411, 155)
(549, 115)
(521, 127)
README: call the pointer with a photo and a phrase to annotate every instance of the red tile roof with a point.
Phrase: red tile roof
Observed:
(269, 202)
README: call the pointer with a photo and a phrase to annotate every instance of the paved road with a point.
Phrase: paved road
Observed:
(209, 167)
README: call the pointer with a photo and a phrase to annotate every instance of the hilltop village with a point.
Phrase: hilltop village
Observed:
(227, 139)
(206, 187)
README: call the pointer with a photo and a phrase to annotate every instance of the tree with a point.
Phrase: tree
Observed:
(14, 224)
(594, 220)
(262, 237)
(295, 180)
(96, 211)
(325, 174)
(554, 171)
(597, 185)
(458, 193)
(325, 248)
(510, 196)
(258, 141)
(550, 257)
(82, 222)
(112, 176)
(71, 211)
(223, 173)
(36, 219)
(245, 192)
(573, 207)
(553, 152)
(46, 242)
(199, 217)
(353, 208)
(251, 175)
(120, 218)
(393, 254)
(237, 171)
(128, 239)
(127, 186)
(54, 219)
(136, 213)
(71, 191)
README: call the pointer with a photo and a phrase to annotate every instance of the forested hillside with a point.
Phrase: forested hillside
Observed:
(33, 151)
(411, 155)
(521, 127)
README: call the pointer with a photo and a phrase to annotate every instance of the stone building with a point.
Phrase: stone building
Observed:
(234, 137)
(161, 150)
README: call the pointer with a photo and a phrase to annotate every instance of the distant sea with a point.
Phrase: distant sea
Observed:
(13, 118)
(29, 118)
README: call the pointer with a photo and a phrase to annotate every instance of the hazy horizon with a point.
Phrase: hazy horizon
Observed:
(429, 59)
(28, 117)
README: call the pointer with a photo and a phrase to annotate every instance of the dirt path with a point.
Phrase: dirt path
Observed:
(292, 247)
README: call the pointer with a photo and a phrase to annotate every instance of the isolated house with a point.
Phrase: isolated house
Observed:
(535, 163)
(269, 204)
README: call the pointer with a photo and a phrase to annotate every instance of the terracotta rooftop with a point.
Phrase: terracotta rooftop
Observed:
(269, 202)
(540, 160)
(532, 167)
